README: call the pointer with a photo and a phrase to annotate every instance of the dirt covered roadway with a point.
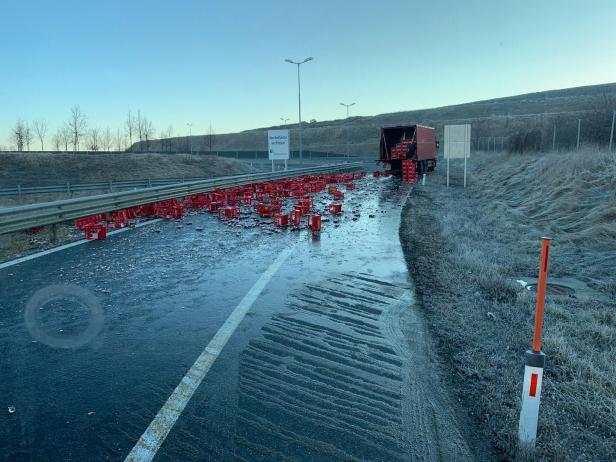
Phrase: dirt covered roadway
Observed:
(330, 361)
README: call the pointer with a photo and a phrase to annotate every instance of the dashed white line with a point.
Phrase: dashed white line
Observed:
(148, 445)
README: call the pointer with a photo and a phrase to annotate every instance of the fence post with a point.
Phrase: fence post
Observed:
(578, 135)
(612, 130)
(554, 139)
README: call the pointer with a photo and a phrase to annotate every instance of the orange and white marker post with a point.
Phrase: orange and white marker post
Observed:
(534, 360)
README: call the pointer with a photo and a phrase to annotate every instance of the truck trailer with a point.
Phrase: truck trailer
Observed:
(408, 142)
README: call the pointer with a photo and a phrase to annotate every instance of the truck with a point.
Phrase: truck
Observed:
(408, 142)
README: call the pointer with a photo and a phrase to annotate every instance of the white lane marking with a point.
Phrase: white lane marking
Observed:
(17, 261)
(148, 445)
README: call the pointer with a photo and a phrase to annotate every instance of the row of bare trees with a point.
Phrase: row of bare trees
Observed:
(75, 134)
(23, 135)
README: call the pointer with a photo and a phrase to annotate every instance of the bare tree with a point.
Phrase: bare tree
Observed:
(107, 139)
(77, 125)
(40, 128)
(28, 136)
(148, 132)
(18, 135)
(140, 128)
(94, 139)
(66, 137)
(130, 128)
(56, 139)
(119, 140)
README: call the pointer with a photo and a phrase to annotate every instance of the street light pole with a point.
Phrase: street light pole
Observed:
(347, 128)
(286, 162)
(190, 136)
(299, 102)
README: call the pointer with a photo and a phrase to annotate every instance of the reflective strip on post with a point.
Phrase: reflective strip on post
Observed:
(531, 396)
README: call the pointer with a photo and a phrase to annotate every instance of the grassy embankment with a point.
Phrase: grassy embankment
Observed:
(466, 248)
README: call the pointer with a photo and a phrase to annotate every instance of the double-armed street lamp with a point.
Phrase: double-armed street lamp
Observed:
(347, 128)
(299, 100)
(190, 136)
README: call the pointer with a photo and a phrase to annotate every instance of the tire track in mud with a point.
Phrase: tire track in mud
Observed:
(330, 379)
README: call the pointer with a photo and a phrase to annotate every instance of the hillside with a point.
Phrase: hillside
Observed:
(523, 122)
(37, 169)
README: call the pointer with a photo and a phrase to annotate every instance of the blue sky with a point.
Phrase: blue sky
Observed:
(223, 62)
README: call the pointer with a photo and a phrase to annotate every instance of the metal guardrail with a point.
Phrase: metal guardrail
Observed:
(111, 186)
(24, 217)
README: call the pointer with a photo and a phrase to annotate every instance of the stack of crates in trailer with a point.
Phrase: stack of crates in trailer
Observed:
(400, 150)
(409, 174)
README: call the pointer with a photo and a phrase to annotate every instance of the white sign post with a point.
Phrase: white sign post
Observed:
(457, 145)
(278, 146)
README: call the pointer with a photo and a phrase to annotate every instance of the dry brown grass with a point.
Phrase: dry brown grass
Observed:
(19, 244)
(44, 168)
(464, 247)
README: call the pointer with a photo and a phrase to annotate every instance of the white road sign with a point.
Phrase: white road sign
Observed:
(457, 141)
(278, 144)
(457, 145)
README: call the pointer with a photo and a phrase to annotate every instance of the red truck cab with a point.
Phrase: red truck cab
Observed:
(408, 142)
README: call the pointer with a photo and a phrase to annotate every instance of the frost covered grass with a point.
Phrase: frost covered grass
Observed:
(465, 248)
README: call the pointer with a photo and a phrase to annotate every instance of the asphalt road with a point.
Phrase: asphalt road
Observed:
(329, 363)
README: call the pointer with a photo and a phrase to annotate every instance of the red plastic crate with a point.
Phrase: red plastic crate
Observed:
(335, 208)
(314, 223)
(95, 232)
(295, 217)
(281, 219)
(229, 211)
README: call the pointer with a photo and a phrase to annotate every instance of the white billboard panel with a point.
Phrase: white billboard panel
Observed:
(278, 144)
(457, 141)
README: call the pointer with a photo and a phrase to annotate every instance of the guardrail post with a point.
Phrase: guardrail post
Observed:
(53, 233)
(149, 182)
(111, 186)
(19, 191)
(68, 188)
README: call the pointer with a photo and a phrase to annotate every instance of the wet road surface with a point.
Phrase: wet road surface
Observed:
(329, 363)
